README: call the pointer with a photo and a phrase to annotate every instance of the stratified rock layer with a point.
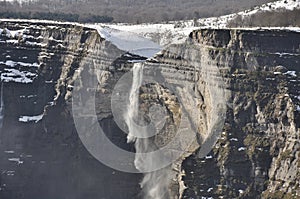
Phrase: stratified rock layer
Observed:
(257, 155)
(41, 154)
(239, 88)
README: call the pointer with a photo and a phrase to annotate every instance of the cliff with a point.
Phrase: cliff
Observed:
(257, 155)
(41, 153)
(229, 97)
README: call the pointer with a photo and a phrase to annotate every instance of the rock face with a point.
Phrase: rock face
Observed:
(236, 88)
(257, 155)
(41, 154)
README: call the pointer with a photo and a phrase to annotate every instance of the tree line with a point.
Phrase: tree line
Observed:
(131, 11)
(57, 16)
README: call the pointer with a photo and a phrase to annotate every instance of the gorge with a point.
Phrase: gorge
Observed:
(224, 106)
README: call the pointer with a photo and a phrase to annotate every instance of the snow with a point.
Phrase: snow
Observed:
(283, 54)
(241, 149)
(176, 32)
(291, 73)
(31, 96)
(222, 21)
(11, 33)
(260, 149)
(10, 152)
(241, 191)
(35, 119)
(269, 78)
(13, 63)
(12, 41)
(10, 173)
(128, 41)
(162, 34)
(13, 75)
(8, 63)
(33, 43)
(14, 34)
(136, 60)
(283, 4)
(148, 39)
(16, 160)
(19, 1)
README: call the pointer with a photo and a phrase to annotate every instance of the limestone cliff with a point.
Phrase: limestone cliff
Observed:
(238, 88)
(41, 153)
(257, 155)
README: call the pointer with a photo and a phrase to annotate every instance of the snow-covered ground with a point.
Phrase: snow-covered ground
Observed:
(128, 41)
(19, 1)
(222, 21)
(163, 34)
(178, 31)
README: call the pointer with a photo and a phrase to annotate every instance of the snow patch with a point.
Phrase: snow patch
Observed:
(33, 43)
(35, 119)
(13, 75)
(163, 34)
(17, 160)
(10, 173)
(18, 1)
(241, 149)
(128, 41)
(11, 33)
(291, 73)
(13, 64)
(10, 152)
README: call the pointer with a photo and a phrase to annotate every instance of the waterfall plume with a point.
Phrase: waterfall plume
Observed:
(154, 184)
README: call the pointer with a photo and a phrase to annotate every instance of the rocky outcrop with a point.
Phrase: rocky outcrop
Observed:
(235, 88)
(257, 153)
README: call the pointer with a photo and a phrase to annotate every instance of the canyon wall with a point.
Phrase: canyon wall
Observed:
(230, 98)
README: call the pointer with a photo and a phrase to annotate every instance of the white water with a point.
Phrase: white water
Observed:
(154, 184)
(133, 106)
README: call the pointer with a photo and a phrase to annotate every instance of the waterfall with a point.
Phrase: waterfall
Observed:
(1, 107)
(133, 106)
(154, 184)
